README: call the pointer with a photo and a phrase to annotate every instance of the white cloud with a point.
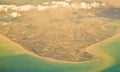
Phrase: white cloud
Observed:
(53, 4)
(25, 7)
(83, 5)
(14, 14)
(42, 8)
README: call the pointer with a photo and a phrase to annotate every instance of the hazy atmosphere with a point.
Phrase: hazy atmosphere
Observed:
(59, 35)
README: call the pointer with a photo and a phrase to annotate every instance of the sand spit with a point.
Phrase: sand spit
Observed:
(100, 53)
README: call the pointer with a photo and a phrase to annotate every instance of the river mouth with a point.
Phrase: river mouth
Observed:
(60, 33)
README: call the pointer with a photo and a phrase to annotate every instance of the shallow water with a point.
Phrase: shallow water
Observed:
(28, 63)
(112, 48)
(31, 64)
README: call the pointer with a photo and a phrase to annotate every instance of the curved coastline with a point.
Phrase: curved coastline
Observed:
(99, 52)
(93, 49)
(89, 50)
(104, 60)
(45, 58)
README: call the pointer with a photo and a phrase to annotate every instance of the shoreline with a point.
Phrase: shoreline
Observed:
(33, 54)
(100, 53)
(59, 61)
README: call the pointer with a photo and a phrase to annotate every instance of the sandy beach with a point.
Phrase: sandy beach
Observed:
(93, 49)
(100, 53)
(21, 50)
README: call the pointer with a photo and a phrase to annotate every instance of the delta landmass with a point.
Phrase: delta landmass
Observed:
(61, 31)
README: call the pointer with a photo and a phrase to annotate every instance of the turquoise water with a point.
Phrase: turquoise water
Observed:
(113, 49)
(13, 59)
(29, 63)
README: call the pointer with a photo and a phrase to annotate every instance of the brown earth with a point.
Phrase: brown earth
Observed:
(61, 34)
